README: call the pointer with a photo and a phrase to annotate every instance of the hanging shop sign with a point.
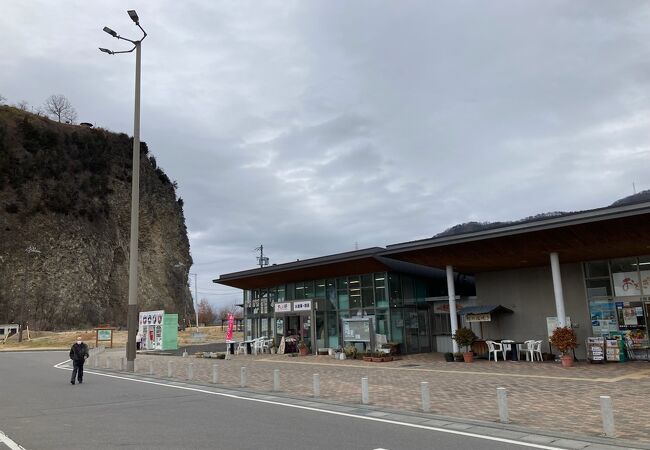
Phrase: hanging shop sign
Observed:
(304, 305)
(297, 306)
(485, 317)
(283, 307)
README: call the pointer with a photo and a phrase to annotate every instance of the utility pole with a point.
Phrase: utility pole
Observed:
(262, 260)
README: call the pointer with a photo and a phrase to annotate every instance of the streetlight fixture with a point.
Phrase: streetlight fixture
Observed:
(132, 312)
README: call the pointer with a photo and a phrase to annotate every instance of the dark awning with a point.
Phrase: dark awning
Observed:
(484, 309)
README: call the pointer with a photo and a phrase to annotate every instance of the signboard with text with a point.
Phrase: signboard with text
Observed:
(485, 317)
(304, 305)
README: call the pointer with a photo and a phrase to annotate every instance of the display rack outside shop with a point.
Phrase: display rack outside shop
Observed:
(595, 349)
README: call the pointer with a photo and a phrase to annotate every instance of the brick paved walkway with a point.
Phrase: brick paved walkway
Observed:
(545, 395)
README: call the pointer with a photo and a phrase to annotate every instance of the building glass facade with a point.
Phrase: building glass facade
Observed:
(399, 305)
(618, 296)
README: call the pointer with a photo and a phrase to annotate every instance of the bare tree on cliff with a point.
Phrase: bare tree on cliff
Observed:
(2, 99)
(206, 312)
(59, 107)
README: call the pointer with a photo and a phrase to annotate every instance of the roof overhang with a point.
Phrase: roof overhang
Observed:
(597, 234)
(342, 264)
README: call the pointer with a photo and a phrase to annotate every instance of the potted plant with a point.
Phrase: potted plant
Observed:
(449, 357)
(565, 340)
(465, 337)
(302, 348)
(458, 357)
(273, 349)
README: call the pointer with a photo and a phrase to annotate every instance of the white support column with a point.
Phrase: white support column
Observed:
(557, 289)
(451, 290)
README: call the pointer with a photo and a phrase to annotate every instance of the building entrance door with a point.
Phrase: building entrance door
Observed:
(299, 325)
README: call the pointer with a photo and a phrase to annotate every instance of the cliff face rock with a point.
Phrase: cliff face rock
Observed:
(65, 207)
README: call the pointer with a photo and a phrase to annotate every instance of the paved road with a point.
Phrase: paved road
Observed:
(39, 409)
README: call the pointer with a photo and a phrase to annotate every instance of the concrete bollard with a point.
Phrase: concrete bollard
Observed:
(243, 377)
(502, 401)
(607, 411)
(426, 396)
(150, 367)
(215, 373)
(190, 371)
(96, 362)
(364, 390)
(276, 380)
(108, 363)
(135, 366)
(316, 385)
(122, 363)
(170, 369)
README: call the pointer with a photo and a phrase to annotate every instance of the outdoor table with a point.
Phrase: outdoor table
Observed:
(514, 349)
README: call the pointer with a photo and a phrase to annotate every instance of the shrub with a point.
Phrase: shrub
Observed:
(564, 339)
(464, 337)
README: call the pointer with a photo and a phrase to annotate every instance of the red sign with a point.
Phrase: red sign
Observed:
(231, 323)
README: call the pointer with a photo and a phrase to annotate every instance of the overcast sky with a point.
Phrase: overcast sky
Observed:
(313, 127)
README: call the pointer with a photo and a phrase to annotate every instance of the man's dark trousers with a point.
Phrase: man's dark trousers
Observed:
(77, 371)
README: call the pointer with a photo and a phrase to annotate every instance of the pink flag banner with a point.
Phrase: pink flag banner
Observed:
(231, 324)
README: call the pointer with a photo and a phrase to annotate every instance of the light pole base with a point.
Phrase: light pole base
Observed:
(130, 366)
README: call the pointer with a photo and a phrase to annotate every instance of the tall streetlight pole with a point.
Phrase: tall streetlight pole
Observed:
(132, 312)
(31, 250)
(196, 302)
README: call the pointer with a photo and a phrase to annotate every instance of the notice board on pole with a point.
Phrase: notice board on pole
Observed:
(357, 329)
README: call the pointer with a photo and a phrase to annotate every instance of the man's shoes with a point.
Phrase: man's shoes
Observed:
(80, 381)
(72, 382)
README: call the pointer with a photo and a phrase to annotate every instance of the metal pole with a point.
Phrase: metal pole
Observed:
(132, 312)
(170, 369)
(190, 371)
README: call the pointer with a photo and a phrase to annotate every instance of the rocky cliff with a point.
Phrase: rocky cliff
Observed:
(65, 198)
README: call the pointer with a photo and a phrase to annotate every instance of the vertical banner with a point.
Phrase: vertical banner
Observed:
(231, 323)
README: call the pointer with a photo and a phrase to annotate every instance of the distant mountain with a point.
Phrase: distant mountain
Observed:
(640, 197)
(65, 208)
(472, 227)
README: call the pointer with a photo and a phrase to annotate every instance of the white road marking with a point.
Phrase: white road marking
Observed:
(9, 443)
(325, 411)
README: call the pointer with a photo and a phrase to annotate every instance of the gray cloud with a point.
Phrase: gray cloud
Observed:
(309, 126)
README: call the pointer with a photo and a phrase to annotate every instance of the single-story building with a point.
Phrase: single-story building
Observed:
(589, 270)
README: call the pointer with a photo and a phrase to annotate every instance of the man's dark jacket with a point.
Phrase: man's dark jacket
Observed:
(79, 352)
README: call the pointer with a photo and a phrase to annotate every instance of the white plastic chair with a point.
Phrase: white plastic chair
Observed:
(258, 345)
(537, 350)
(494, 347)
(241, 348)
(534, 350)
(507, 347)
(528, 347)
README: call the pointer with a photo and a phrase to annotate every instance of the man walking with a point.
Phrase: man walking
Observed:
(78, 355)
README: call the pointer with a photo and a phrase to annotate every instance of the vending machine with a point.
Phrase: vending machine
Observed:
(159, 331)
